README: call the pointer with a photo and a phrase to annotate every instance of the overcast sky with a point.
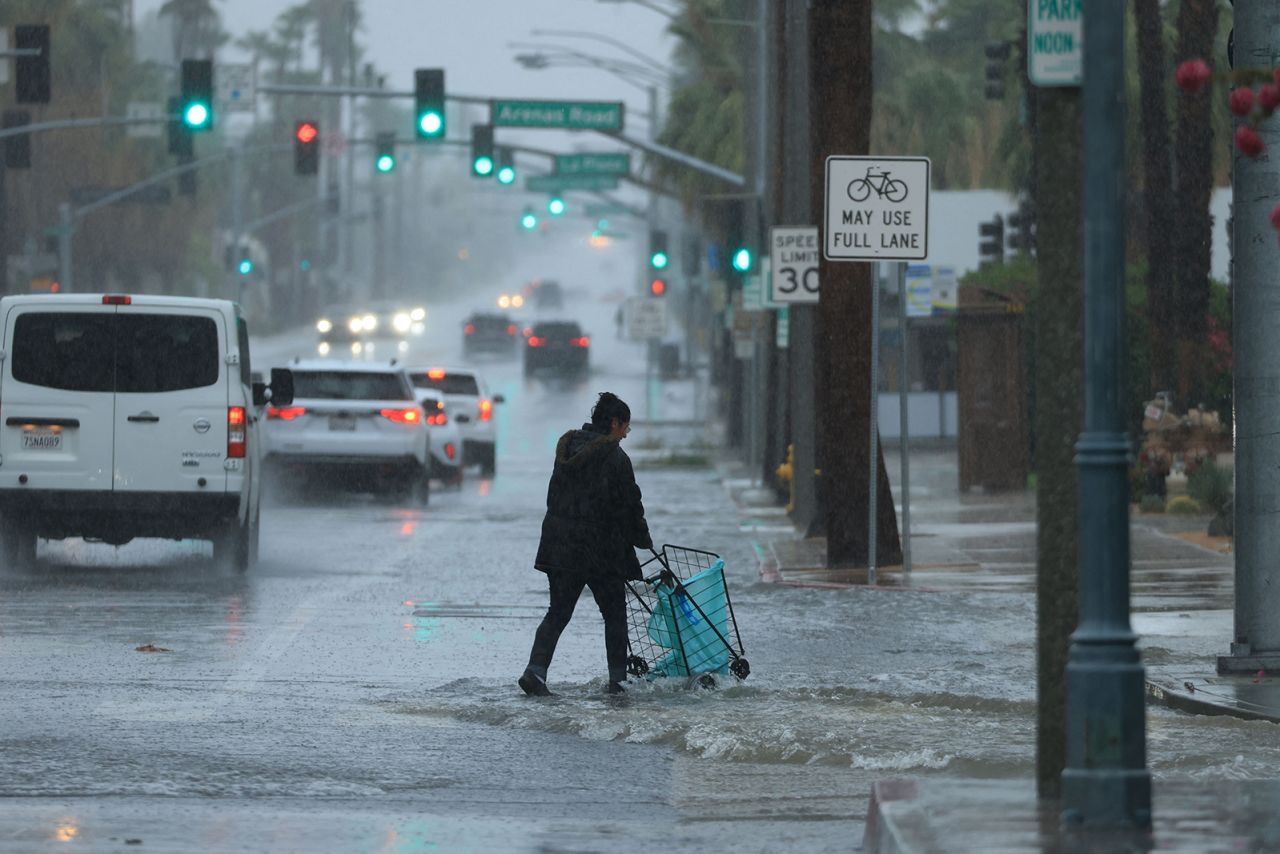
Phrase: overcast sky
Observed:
(470, 39)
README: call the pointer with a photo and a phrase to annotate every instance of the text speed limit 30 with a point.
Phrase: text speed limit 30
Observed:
(794, 252)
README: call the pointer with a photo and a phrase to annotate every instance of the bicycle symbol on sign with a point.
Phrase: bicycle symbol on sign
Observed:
(880, 183)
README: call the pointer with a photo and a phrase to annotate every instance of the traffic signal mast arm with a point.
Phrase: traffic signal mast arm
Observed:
(101, 121)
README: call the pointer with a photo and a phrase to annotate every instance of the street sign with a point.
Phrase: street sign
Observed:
(599, 209)
(752, 293)
(1055, 43)
(567, 115)
(944, 290)
(877, 209)
(559, 183)
(646, 318)
(793, 254)
(919, 288)
(145, 110)
(612, 163)
(235, 87)
(783, 340)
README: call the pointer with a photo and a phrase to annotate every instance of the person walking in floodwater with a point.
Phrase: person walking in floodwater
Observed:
(594, 522)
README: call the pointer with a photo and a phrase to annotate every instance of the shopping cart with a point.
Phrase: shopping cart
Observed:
(681, 621)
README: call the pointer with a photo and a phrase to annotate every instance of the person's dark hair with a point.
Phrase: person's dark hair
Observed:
(608, 407)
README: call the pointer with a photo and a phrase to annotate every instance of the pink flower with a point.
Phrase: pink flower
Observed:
(1269, 97)
(1241, 101)
(1192, 75)
(1248, 141)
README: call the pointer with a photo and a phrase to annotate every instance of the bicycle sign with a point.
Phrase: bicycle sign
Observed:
(877, 208)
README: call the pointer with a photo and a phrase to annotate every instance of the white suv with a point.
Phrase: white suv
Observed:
(470, 406)
(128, 416)
(358, 421)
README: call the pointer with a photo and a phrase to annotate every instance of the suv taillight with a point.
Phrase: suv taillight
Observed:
(535, 341)
(486, 410)
(584, 341)
(236, 445)
(286, 413)
(469, 329)
(402, 416)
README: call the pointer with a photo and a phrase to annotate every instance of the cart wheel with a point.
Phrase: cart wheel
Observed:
(740, 667)
(637, 666)
(705, 681)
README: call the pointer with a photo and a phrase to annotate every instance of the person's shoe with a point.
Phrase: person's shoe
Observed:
(533, 685)
(616, 688)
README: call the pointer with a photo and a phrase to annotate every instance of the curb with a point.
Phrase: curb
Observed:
(1187, 698)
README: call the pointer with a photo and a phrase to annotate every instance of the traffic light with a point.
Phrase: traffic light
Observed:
(658, 258)
(742, 259)
(506, 166)
(17, 149)
(181, 142)
(246, 264)
(997, 55)
(32, 72)
(555, 206)
(529, 221)
(1022, 226)
(428, 99)
(385, 161)
(991, 248)
(482, 151)
(197, 94)
(306, 148)
(658, 288)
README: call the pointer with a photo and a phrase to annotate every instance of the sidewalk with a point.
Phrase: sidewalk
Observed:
(1182, 588)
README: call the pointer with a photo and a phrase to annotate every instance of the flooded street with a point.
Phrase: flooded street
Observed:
(356, 690)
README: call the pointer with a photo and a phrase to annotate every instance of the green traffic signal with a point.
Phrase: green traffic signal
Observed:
(658, 260)
(483, 165)
(385, 163)
(742, 260)
(196, 94)
(195, 115)
(430, 123)
(428, 103)
(555, 206)
(246, 266)
(528, 222)
(506, 175)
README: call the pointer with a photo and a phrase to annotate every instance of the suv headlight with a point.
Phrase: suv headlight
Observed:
(402, 322)
(354, 325)
(368, 323)
(323, 326)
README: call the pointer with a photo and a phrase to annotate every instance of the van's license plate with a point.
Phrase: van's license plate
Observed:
(41, 440)
(341, 422)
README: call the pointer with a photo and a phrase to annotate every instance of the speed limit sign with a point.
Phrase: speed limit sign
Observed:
(794, 252)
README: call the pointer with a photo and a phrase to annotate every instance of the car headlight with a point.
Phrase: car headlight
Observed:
(323, 326)
(354, 325)
(324, 348)
(418, 314)
(517, 301)
(402, 322)
(504, 301)
(368, 323)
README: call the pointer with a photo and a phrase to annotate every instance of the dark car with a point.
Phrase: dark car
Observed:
(489, 333)
(557, 345)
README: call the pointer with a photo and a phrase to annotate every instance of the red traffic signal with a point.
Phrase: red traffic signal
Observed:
(306, 148)
(658, 287)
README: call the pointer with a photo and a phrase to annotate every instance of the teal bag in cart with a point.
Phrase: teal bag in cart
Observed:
(691, 620)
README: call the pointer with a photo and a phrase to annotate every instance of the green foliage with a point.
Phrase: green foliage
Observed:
(1211, 485)
(1183, 505)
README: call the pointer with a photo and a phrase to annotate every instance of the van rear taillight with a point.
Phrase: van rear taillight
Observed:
(449, 450)
(286, 413)
(402, 416)
(236, 445)
(117, 299)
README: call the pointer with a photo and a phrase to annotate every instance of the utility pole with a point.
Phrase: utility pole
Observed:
(798, 209)
(1106, 783)
(840, 75)
(1255, 184)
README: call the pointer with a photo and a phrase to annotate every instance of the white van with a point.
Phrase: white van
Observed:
(129, 416)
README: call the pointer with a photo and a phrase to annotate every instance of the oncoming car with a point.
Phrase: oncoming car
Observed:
(358, 331)
(355, 422)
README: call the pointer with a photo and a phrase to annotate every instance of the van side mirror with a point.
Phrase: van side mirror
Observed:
(281, 387)
(497, 398)
(259, 393)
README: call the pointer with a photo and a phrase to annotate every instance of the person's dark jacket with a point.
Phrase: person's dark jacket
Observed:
(595, 518)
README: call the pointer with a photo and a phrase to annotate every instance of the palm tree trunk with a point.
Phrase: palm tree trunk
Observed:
(1157, 191)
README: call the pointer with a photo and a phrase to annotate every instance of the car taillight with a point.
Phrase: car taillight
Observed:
(469, 329)
(584, 341)
(286, 413)
(511, 330)
(402, 416)
(436, 374)
(117, 299)
(486, 410)
(236, 445)
(437, 420)
(450, 450)
(535, 341)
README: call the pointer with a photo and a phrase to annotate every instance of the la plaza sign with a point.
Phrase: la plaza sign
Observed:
(877, 209)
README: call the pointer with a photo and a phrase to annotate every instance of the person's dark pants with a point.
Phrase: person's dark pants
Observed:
(610, 596)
